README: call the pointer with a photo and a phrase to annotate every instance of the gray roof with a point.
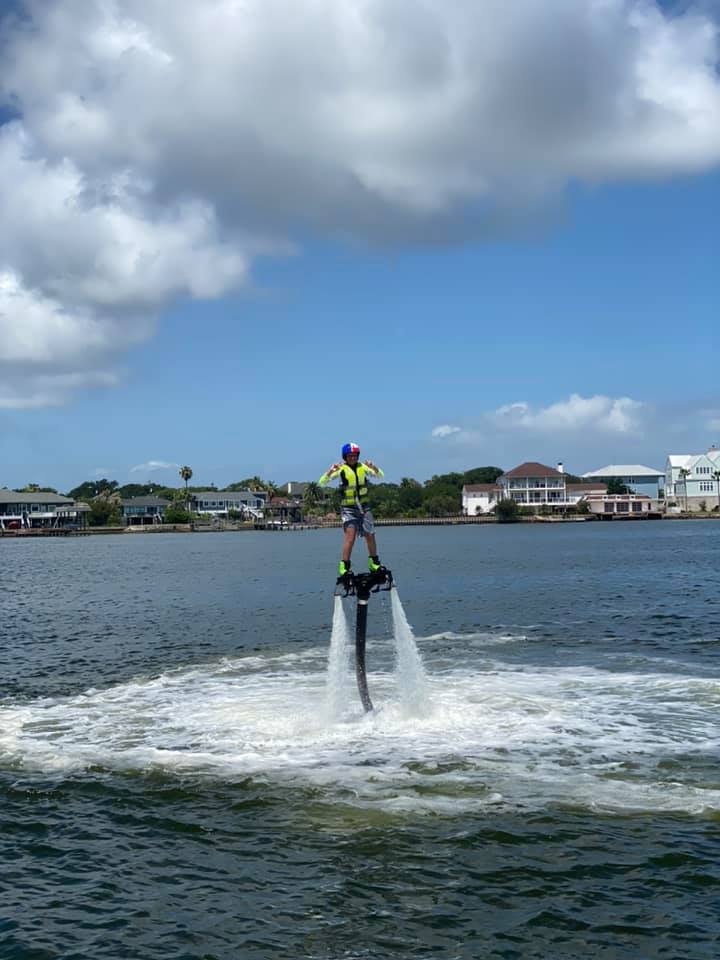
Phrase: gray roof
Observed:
(10, 496)
(236, 495)
(625, 470)
(145, 502)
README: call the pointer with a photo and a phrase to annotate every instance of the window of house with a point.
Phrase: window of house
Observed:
(706, 486)
(637, 508)
(623, 506)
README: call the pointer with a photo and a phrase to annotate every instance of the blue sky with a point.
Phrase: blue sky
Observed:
(570, 312)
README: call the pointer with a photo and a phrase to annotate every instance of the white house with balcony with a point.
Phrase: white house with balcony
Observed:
(534, 484)
(693, 479)
(219, 503)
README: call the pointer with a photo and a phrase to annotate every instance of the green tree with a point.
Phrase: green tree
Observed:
(92, 488)
(175, 513)
(186, 474)
(482, 475)
(507, 511)
(105, 513)
(312, 495)
(441, 505)
(716, 478)
(130, 490)
(616, 486)
(410, 494)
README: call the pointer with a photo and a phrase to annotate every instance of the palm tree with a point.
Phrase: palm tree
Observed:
(716, 478)
(312, 494)
(186, 474)
(684, 474)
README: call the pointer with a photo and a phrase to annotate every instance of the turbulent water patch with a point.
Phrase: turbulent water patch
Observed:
(461, 738)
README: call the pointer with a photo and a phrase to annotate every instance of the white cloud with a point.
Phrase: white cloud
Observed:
(162, 147)
(598, 413)
(445, 430)
(589, 415)
(152, 466)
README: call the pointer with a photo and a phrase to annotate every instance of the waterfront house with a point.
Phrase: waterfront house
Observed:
(219, 503)
(24, 511)
(534, 484)
(636, 477)
(692, 480)
(143, 511)
(282, 511)
(576, 492)
(479, 498)
(294, 489)
(620, 504)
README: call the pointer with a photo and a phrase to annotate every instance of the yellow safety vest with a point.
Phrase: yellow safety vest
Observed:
(354, 484)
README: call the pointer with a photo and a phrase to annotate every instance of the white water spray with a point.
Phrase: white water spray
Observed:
(412, 683)
(338, 674)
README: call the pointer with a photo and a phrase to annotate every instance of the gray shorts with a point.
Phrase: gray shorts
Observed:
(363, 522)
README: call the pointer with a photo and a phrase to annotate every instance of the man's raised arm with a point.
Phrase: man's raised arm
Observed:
(330, 474)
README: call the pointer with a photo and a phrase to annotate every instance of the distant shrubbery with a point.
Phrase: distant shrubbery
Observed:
(507, 511)
(176, 513)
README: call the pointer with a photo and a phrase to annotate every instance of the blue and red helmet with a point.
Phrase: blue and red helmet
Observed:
(349, 448)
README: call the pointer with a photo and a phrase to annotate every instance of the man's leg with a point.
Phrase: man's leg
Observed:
(350, 534)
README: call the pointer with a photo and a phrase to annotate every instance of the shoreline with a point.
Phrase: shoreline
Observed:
(334, 524)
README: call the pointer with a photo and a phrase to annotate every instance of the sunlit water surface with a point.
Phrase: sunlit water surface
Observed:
(186, 769)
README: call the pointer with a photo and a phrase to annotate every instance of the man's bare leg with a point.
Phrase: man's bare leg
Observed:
(348, 542)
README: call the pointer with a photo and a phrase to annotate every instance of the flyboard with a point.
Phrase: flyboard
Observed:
(361, 585)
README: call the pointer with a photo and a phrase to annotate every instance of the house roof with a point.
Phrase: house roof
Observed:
(10, 496)
(532, 469)
(586, 487)
(145, 502)
(230, 495)
(618, 496)
(690, 459)
(481, 488)
(625, 470)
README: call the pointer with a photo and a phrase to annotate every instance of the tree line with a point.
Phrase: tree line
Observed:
(440, 496)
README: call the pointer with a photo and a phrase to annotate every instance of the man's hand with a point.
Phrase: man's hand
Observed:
(369, 463)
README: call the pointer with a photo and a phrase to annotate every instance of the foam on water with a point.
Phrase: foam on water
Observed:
(518, 736)
(412, 684)
(339, 683)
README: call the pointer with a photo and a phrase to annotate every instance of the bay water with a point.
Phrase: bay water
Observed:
(186, 770)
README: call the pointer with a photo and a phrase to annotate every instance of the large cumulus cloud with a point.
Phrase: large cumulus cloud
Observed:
(158, 147)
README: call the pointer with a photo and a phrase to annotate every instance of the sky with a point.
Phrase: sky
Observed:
(238, 234)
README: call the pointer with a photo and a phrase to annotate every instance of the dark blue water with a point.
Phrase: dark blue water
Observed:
(173, 785)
